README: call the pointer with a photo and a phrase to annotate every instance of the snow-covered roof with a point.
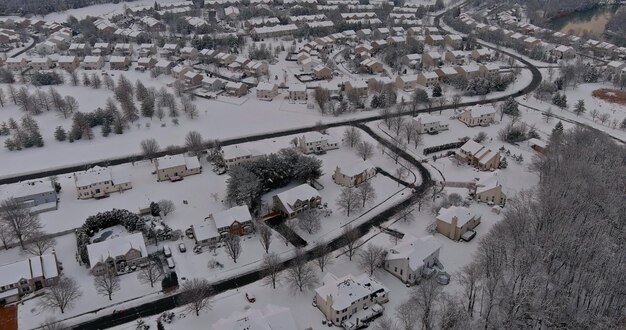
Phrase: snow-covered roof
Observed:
(481, 111)
(234, 85)
(537, 142)
(433, 55)
(426, 118)
(45, 265)
(348, 289)
(265, 86)
(487, 182)
(92, 59)
(358, 168)
(205, 230)
(430, 75)
(462, 214)
(471, 147)
(415, 250)
(67, 59)
(272, 318)
(226, 218)
(99, 174)
(168, 161)
(302, 192)
(297, 88)
(117, 59)
(115, 247)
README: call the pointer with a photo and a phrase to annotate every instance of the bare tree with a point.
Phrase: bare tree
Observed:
(406, 215)
(349, 200)
(3, 97)
(40, 243)
(370, 258)
(351, 240)
(52, 324)
(309, 221)
(151, 273)
(365, 150)
(107, 282)
(194, 144)
(366, 192)
(233, 247)
(604, 117)
(385, 323)
(196, 293)
(265, 236)
(407, 314)
(351, 136)
(469, 279)
(189, 107)
(5, 235)
(19, 220)
(301, 275)
(166, 206)
(61, 295)
(324, 257)
(271, 269)
(149, 148)
(456, 100)
(424, 298)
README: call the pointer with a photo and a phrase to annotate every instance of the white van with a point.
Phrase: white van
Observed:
(167, 251)
(170, 262)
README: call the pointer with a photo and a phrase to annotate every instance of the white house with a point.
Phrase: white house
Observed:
(234, 155)
(117, 253)
(454, 222)
(475, 116)
(295, 200)
(99, 182)
(413, 258)
(427, 123)
(339, 298)
(234, 221)
(355, 174)
(27, 276)
(176, 166)
(266, 91)
(316, 142)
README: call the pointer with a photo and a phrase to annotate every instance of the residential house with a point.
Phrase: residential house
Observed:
(178, 72)
(468, 71)
(379, 44)
(316, 142)
(371, 65)
(256, 68)
(431, 30)
(481, 55)
(175, 167)
(266, 91)
(47, 47)
(164, 66)
(538, 145)
(170, 50)
(367, 48)
(235, 155)
(445, 73)
(205, 233)
(298, 93)
(274, 31)
(77, 49)
(434, 40)
(453, 41)
(117, 254)
(193, 78)
(427, 123)
(613, 66)
(41, 63)
(93, 62)
(237, 89)
(146, 63)
(16, 64)
(357, 86)
(489, 69)
(431, 59)
(381, 33)
(411, 60)
(339, 298)
(68, 63)
(406, 83)
(427, 78)
(189, 53)
(146, 50)
(480, 115)
(231, 12)
(296, 200)
(123, 49)
(101, 48)
(456, 57)
(119, 62)
(413, 258)
(364, 34)
(38, 195)
(454, 221)
(564, 52)
(99, 182)
(321, 72)
(479, 156)
(489, 190)
(234, 221)
(379, 84)
(213, 84)
(27, 276)
(354, 175)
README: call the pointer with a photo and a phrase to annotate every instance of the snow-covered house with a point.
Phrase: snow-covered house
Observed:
(476, 116)
(427, 78)
(93, 62)
(406, 82)
(68, 63)
(359, 87)
(427, 123)
(193, 78)
(177, 166)
(238, 89)
(615, 66)
(341, 297)
(266, 91)
(481, 55)
(316, 142)
(38, 195)
(355, 174)
(454, 57)
(189, 53)
(564, 52)
(322, 72)
(41, 63)
(212, 84)
(119, 62)
(16, 64)
(479, 156)
(234, 155)
(454, 221)
(27, 276)
(98, 182)
(538, 145)
(453, 40)
(164, 66)
(117, 253)
(234, 221)
(295, 200)
(411, 60)
(297, 93)
(431, 58)
(468, 71)
(271, 318)
(489, 190)
(146, 62)
(205, 233)
(412, 258)
(178, 72)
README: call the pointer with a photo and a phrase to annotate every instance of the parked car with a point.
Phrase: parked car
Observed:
(170, 263)
(197, 249)
(167, 251)
(251, 298)
(182, 248)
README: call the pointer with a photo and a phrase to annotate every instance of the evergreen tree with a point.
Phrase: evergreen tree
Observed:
(106, 128)
(623, 124)
(579, 108)
(10, 144)
(510, 107)
(12, 123)
(59, 134)
(147, 107)
(4, 129)
(118, 125)
(437, 91)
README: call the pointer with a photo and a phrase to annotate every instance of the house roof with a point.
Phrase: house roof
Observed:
(265, 86)
(426, 118)
(297, 88)
(30, 268)
(471, 147)
(99, 174)
(462, 214)
(358, 168)
(416, 250)
(348, 289)
(92, 59)
(168, 161)
(302, 192)
(115, 247)
(481, 111)
(205, 230)
(226, 218)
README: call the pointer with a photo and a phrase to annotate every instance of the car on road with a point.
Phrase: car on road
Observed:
(167, 251)
(182, 248)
